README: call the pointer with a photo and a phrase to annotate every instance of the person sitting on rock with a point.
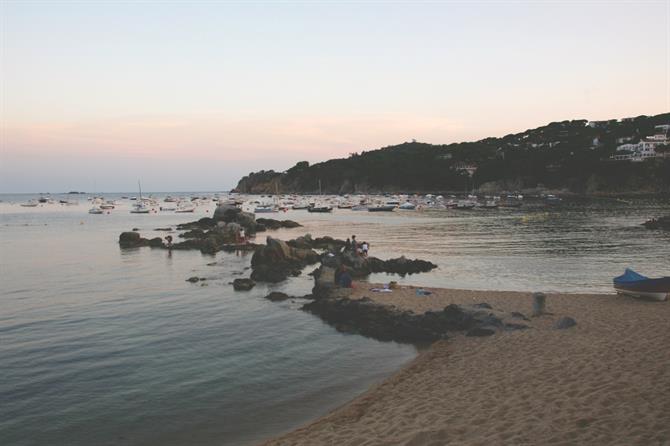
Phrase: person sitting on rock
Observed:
(364, 249)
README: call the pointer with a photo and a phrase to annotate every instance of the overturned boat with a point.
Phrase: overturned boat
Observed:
(637, 285)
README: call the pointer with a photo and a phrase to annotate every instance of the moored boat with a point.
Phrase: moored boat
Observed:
(322, 209)
(633, 284)
(382, 208)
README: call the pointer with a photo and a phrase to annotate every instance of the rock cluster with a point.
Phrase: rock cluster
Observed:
(389, 324)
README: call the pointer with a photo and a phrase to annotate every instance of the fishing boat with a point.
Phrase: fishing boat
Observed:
(633, 284)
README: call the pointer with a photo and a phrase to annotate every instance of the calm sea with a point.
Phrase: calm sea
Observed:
(100, 346)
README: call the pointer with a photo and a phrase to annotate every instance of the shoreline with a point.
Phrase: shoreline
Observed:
(600, 382)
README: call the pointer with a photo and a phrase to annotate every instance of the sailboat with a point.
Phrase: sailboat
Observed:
(140, 207)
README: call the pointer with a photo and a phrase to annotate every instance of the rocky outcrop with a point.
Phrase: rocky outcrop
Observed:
(386, 323)
(269, 223)
(276, 261)
(134, 240)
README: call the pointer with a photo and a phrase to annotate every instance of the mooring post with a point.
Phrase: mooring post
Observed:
(538, 303)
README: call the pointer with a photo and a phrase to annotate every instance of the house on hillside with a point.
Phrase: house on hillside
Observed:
(646, 148)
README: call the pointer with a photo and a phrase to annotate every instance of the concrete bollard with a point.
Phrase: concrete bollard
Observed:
(538, 303)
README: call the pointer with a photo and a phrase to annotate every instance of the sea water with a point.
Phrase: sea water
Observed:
(105, 346)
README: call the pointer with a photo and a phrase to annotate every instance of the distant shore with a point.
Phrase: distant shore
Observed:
(603, 381)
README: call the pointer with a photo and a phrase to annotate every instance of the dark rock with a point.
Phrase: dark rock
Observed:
(130, 240)
(163, 229)
(565, 322)
(194, 279)
(136, 229)
(156, 242)
(276, 296)
(480, 331)
(243, 284)
(483, 305)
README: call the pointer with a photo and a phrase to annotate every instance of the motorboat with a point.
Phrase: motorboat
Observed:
(30, 204)
(634, 284)
(264, 209)
(96, 210)
(322, 209)
(407, 206)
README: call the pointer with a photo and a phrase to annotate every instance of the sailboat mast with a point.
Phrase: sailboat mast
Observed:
(140, 188)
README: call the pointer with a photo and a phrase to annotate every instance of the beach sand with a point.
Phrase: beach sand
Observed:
(605, 381)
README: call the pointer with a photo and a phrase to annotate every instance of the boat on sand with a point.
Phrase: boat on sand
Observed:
(633, 284)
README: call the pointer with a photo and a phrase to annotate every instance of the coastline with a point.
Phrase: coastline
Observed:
(600, 382)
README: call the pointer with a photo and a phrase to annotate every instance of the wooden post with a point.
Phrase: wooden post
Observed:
(538, 303)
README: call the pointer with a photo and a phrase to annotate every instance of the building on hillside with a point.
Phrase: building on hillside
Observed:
(646, 148)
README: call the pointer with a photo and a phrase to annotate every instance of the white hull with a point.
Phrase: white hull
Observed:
(650, 295)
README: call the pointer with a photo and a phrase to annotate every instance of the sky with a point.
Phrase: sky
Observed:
(192, 96)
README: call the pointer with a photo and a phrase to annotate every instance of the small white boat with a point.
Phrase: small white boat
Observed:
(96, 210)
(264, 208)
(184, 207)
(407, 206)
(30, 204)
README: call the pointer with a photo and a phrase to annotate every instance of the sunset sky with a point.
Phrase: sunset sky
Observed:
(192, 96)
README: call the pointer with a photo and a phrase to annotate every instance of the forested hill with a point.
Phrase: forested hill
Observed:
(568, 155)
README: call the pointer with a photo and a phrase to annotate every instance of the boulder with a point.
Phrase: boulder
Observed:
(243, 284)
(134, 240)
(565, 322)
(276, 261)
(130, 240)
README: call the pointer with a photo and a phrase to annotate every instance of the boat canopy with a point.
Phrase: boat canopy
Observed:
(629, 276)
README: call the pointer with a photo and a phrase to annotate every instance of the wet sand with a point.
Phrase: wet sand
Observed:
(605, 381)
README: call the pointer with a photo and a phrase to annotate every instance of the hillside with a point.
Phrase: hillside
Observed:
(570, 155)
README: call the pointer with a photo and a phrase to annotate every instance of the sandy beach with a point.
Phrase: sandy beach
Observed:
(605, 381)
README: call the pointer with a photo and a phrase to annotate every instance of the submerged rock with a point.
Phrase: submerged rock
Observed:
(243, 284)
(277, 296)
(565, 322)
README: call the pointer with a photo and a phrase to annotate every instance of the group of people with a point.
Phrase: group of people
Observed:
(360, 249)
